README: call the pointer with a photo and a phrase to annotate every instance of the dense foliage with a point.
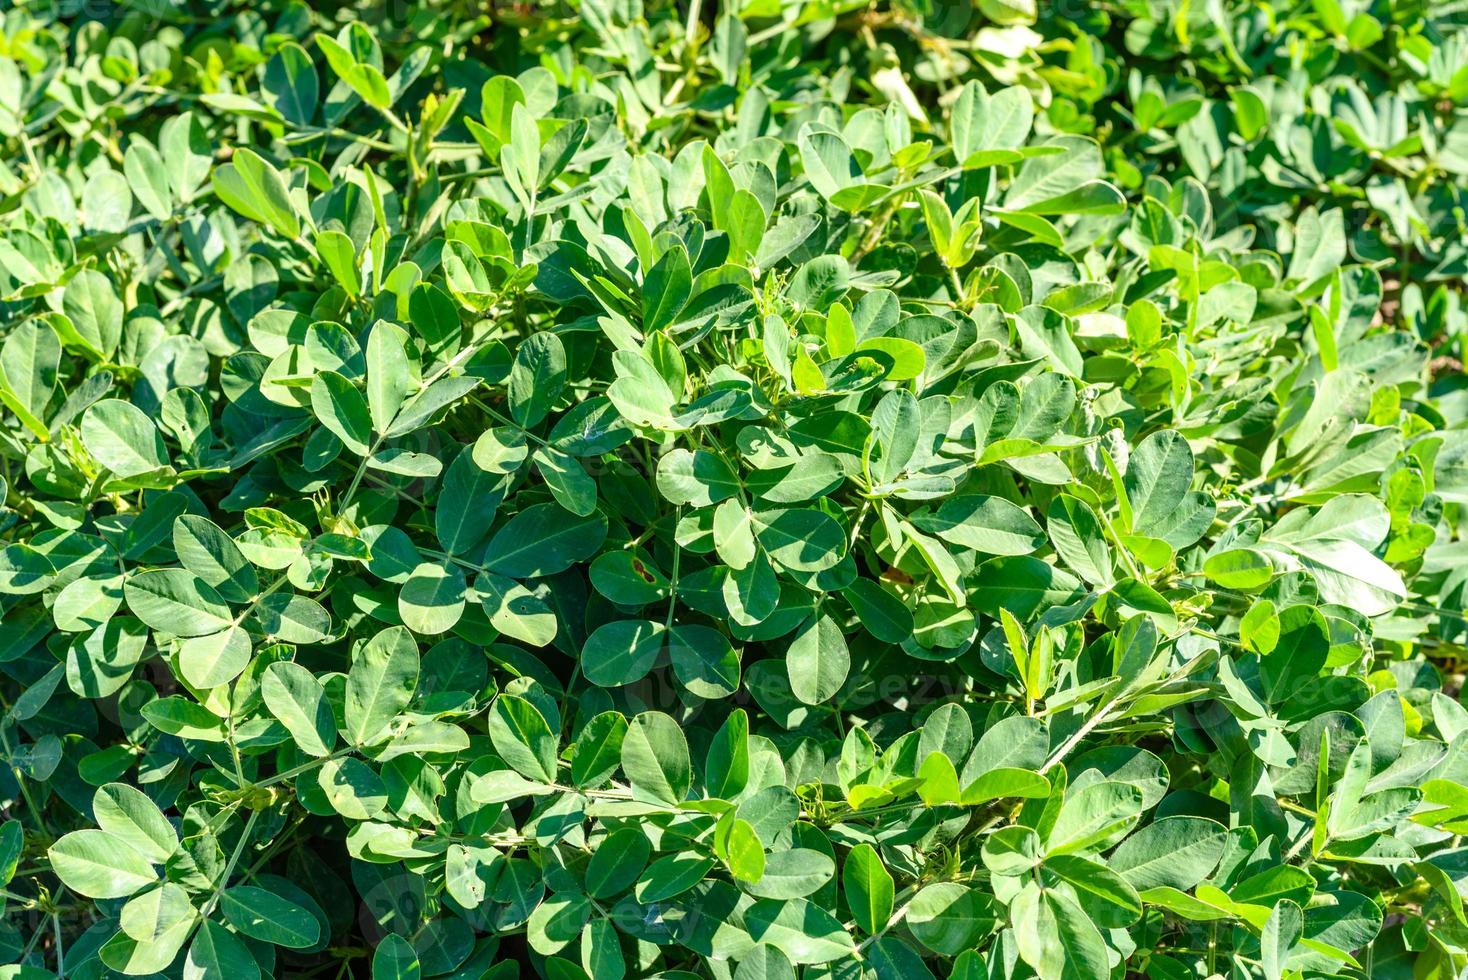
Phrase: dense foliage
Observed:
(611, 489)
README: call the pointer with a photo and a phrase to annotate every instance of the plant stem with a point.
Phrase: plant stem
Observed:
(234, 859)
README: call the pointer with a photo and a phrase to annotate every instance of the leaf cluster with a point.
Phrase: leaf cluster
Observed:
(819, 488)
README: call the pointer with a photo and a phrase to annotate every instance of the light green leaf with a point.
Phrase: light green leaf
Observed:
(99, 865)
(298, 701)
(380, 684)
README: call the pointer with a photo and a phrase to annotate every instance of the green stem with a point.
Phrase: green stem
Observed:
(905, 897)
(673, 582)
(281, 777)
(60, 949)
(234, 859)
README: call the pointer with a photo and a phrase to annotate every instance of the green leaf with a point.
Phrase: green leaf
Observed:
(470, 499)
(557, 922)
(818, 660)
(1054, 935)
(130, 817)
(107, 202)
(1095, 815)
(541, 540)
(1175, 852)
(261, 914)
(218, 954)
(174, 600)
(339, 255)
(869, 888)
(1157, 479)
(829, 163)
(726, 768)
(948, 918)
(1107, 898)
(91, 304)
(655, 759)
(254, 188)
(147, 177)
(1281, 933)
(1298, 654)
(982, 125)
(395, 959)
(516, 611)
(523, 738)
(99, 865)
(597, 751)
(29, 361)
(24, 570)
(537, 377)
(390, 376)
(179, 716)
(704, 661)
(155, 917)
(1239, 568)
(380, 684)
(160, 916)
(622, 652)
(352, 788)
(520, 157)
(12, 844)
(432, 599)
(881, 613)
(988, 525)
(123, 439)
(742, 851)
(343, 410)
(1002, 782)
(1077, 535)
(436, 320)
(1049, 178)
(805, 933)
(212, 555)
(697, 479)
(666, 289)
(617, 863)
(291, 78)
(800, 540)
(298, 701)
